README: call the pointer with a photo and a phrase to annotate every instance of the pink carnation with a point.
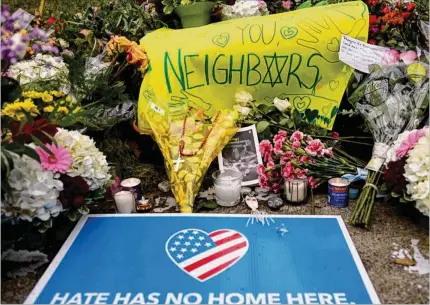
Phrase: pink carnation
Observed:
(312, 183)
(263, 182)
(409, 142)
(278, 147)
(59, 161)
(304, 159)
(296, 136)
(266, 150)
(302, 174)
(287, 4)
(280, 136)
(288, 171)
(296, 144)
(328, 152)
(308, 139)
(287, 157)
(335, 135)
(276, 187)
(315, 148)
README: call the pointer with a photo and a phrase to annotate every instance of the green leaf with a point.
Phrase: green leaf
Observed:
(395, 195)
(22, 149)
(305, 4)
(284, 121)
(39, 143)
(321, 3)
(210, 205)
(262, 126)
(407, 198)
(84, 210)
(72, 216)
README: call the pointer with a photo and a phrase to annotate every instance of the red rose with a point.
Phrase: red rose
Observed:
(50, 21)
(406, 15)
(410, 6)
(371, 41)
(373, 19)
(386, 10)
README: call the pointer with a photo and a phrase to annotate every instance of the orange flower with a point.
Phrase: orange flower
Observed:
(394, 17)
(136, 55)
(118, 44)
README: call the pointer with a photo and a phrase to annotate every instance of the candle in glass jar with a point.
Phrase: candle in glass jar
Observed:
(226, 190)
(296, 190)
(125, 202)
(228, 184)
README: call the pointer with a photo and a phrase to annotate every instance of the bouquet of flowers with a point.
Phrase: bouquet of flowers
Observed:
(394, 24)
(301, 156)
(244, 8)
(408, 166)
(47, 170)
(392, 99)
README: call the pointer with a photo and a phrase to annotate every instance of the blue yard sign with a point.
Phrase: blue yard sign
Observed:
(206, 259)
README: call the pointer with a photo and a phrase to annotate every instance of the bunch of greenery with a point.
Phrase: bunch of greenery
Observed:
(170, 5)
(119, 17)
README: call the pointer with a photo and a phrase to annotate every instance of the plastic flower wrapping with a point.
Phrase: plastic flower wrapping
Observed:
(244, 8)
(200, 141)
(392, 99)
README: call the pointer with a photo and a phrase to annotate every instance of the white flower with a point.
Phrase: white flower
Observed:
(34, 191)
(43, 67)
(243, 111)
(244, 8)
(417, 171)
(243, 98)
(88, 161)
(281, 105)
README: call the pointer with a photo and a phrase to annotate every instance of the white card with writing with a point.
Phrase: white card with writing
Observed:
(360, 55)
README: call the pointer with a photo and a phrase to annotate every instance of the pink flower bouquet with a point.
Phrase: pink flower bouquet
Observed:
(300, 156)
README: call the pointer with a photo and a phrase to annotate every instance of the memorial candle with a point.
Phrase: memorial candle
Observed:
(125, 202)
(296, 190)
(228, 184)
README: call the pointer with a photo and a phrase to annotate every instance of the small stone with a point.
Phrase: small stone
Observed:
(260, 190)
(419, 286)
(245, 190)
(275, 203)
(164, 186)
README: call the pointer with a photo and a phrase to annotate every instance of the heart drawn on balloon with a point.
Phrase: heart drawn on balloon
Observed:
(221, 40)
(333, 84)
(333, 45)
(289, 32)
(301, 103)
(204, 255)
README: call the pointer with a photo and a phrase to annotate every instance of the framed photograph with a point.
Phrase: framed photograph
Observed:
(242, 153)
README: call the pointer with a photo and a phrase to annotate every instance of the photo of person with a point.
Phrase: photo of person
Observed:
(242, 154)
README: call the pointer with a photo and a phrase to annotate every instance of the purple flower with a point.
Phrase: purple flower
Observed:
(374, 28)
(35, 47)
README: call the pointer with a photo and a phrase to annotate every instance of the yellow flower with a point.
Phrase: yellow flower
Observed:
(136, 55)
(48, 109)
(57, 93)
(18, 109)
(118, 44)
(68, 99)
(77, 109)
(63, 109)
(46, 97)
(32, 94)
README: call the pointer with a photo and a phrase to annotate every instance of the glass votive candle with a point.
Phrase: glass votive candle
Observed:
(296, 190)
(125, 202)
(228, 184)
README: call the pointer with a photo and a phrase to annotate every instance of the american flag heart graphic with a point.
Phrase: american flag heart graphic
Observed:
(204, 255)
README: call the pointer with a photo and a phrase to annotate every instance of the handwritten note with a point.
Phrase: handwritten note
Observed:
(360, 55)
